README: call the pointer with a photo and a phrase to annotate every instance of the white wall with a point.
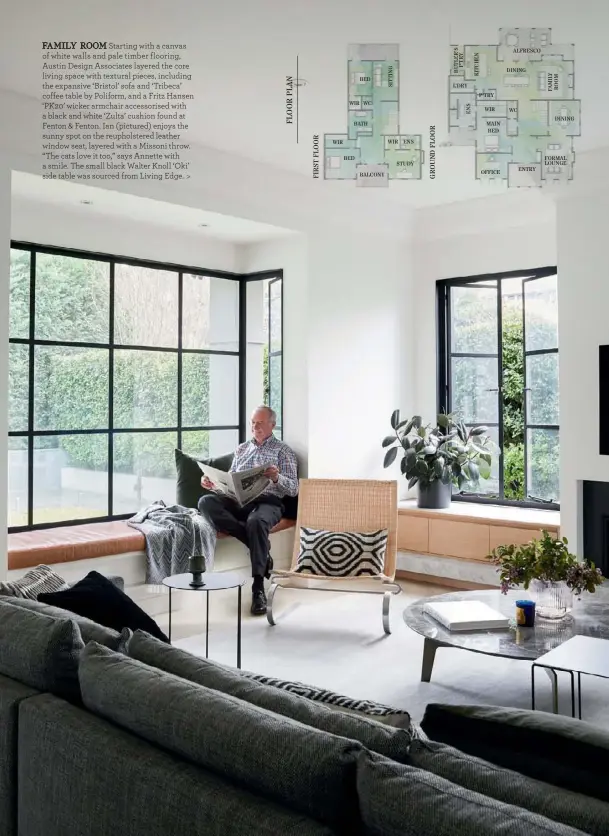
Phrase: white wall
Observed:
(490, 235)
(347, 331)
(583, 297)
(359, 372)
(5, 227)
(43, 223)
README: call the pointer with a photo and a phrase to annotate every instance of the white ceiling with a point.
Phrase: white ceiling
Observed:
(240, 53)
(70, 195)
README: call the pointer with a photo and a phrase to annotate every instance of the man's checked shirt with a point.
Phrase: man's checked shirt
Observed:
(270, 452)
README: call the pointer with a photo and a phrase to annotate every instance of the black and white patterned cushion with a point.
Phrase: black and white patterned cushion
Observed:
(341, 554)
(34, 583)
(382, 713)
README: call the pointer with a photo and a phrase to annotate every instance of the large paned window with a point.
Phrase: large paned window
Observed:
(264, 336)
(498, 367)
(113, 364)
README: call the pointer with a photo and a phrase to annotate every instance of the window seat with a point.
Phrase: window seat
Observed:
(83, 542)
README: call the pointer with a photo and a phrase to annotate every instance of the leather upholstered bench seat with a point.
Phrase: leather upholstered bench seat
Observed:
(82, 542)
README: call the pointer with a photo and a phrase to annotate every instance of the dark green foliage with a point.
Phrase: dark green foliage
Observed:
(450, 452)
(71, 384)
(546, 559)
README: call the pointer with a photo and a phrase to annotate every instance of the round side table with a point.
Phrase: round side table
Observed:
(212, 581)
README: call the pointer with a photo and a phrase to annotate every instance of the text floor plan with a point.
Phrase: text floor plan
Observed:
(514, 101)
(373, 151)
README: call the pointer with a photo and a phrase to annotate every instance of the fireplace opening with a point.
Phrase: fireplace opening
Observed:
(596, 524)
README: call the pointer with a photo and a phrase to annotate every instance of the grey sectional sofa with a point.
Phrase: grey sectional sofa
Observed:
(102, 737)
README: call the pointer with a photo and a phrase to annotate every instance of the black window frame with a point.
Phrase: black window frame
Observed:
(443, 371)
(110, 431)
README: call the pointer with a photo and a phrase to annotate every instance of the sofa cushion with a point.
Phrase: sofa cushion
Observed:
(97, 598)
(393, 743)
(188, 486)
(40, 651)
(400, 800)
(11, 695)
(579, 811)
(89, 630)
(37, 580)
(311, 771)
(341, 554)
(559, 750)
(381, 713)
(88, 777)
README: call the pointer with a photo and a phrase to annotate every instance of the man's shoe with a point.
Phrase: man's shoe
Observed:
(258, 602)
(269, 567)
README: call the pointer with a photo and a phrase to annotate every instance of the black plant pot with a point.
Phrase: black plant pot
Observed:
(434, 495)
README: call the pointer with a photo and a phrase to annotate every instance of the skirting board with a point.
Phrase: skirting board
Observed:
(438, 581)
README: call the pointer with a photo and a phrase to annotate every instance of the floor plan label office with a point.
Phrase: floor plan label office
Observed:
(373, 151)
(514, 101)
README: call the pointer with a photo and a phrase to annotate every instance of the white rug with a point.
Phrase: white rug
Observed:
(336, 641)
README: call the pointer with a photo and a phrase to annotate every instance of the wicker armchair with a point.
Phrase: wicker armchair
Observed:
(344, 505)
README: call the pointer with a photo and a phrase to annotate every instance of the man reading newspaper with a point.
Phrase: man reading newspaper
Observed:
(252, 521)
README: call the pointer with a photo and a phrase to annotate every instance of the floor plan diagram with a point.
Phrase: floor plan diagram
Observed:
(514, 101)
(373, 151)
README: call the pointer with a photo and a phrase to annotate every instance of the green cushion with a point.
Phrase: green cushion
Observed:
(400, 800)
(580, 811)
(559, 750)
(189, 475)
(386, 740)
(308, 770)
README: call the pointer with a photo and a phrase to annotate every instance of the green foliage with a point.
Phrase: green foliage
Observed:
(450, 452)
(546, 559)
(513, 382)
(513, 471)
(71, 384)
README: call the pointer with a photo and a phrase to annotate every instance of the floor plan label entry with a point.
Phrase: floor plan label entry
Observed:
(373, 151)
(514, 101)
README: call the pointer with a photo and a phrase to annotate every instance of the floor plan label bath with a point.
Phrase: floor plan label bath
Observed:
(514, 101)
(373, 151)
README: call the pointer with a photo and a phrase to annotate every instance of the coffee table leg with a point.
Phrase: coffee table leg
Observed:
(579, 694)
(429, 655)
(169, 615)
(238, 626)
(554, 680)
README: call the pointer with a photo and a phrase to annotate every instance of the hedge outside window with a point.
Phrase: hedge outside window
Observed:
(112, 364)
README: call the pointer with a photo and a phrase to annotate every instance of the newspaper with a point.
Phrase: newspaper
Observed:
(243, 486)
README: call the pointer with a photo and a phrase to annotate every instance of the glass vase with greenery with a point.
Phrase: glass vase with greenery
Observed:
(450, 452)
(547, 560)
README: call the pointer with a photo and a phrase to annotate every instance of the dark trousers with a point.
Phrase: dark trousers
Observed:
(250, 524)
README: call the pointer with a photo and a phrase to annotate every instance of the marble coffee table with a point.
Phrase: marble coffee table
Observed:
(590, 617)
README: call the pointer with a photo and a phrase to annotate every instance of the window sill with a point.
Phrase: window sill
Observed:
(504, 515)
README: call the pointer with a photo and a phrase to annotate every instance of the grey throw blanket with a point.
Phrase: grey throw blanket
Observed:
(173, 533)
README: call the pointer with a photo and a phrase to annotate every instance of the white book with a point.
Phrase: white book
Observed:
(466, 615)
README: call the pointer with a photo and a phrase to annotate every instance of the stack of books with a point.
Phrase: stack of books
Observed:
(466, 615)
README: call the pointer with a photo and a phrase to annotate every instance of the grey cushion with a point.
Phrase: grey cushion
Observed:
(559, 750)
(89, 630)
(580, 811)
(399, 800)
(386, 740)
(82, 776)
(311, 771)
(40, 651)
(11, 695)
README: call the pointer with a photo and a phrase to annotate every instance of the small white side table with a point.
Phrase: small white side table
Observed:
(579, 655)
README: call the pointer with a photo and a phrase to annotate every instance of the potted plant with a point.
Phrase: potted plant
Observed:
(437, 458)
(549, 569)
